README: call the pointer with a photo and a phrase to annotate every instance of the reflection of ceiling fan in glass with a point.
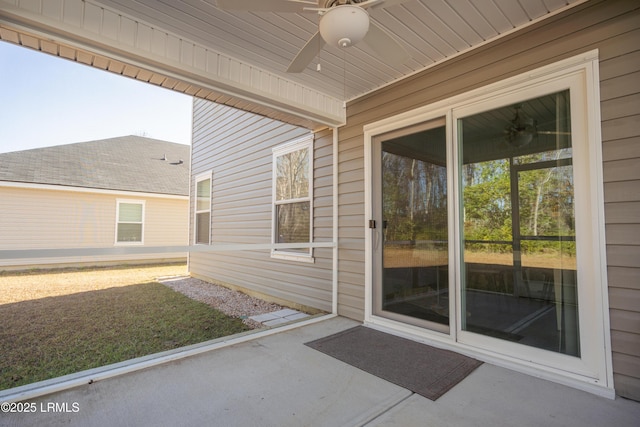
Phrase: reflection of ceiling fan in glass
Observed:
(522, 129)
(342, 23)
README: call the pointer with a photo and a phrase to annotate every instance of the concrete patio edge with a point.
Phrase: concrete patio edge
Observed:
(53, 385)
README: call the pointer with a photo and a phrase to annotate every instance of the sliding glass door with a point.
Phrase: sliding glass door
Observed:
(410, 227)
(516, 273)
(517, 229)
(486, 225)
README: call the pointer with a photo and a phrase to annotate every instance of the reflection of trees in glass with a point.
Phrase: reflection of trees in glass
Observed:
(292, 172)
(292, 197)
(203, 211)
(487, 203)
(546, 196)
(545, 202)
(293, 223)
(533, 180)
(414, 199)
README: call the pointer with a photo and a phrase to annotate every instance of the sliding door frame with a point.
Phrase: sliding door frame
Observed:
(593, 372)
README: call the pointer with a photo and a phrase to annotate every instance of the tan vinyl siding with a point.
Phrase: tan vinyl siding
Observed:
(166, 222)
(620, 106)
(53, 219)
(236, 147)
(611, 26)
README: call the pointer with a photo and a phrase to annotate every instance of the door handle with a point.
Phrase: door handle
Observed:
(376, 238)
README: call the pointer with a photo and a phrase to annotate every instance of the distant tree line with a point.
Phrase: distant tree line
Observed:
(415, 203)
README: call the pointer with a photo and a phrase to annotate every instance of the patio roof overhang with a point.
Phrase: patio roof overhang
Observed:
(195, 71)
(239, 58)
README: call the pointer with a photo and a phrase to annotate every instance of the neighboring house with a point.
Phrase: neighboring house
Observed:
(114, 193)
(486, 202)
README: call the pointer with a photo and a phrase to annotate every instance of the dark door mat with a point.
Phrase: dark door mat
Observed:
(423, 369)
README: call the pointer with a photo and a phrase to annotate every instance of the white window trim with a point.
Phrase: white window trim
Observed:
(597, 377)
(132, 202)
(305, 142)
(200, 178)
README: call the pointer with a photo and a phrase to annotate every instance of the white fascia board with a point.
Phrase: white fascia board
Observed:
(195, 64)
(53, 187)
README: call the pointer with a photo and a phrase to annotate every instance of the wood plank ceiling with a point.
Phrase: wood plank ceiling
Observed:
(431, 30)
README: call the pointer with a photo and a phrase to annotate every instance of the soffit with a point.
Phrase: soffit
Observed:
(431, 30)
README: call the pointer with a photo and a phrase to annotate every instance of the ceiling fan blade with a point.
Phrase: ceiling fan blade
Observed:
(292, 6)
(550, 132)
(385, 46)
(375, 4)
(306, 54)
(389, 3)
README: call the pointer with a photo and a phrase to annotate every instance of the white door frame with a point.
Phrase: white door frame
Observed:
(594, 372)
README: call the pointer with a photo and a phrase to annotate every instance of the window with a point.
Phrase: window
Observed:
(292, 197)
(203, 210)
(129, 222)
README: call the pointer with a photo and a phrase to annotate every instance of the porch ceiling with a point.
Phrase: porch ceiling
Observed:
(431, 30)
(240, 58)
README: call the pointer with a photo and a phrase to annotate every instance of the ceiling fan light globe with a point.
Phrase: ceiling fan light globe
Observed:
(344, 25)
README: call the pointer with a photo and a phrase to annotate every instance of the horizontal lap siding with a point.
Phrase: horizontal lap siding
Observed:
(166, 222)
(48, 219)
(237, 147)
(613, 27)
(620, 106)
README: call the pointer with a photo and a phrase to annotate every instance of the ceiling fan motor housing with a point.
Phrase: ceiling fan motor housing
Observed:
(344, 25)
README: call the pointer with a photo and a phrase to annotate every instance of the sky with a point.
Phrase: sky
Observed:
(46, 100)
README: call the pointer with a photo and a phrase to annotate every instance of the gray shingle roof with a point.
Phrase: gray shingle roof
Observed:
(127, 163)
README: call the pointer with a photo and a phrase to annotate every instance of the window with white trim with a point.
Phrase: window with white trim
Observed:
(293, 197)
(202, 229)
(129, 222)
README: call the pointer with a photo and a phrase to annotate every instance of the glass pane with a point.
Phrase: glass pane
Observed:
(129, 232)
(487, 205)
(292, 175)
(293, 224)
(130, 212)
(202, 228)
(519, 279)
(203, 195)
(415, 229)
(546, 202)
(549, 274)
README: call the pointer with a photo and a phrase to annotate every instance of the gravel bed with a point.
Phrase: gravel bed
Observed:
(230, 302)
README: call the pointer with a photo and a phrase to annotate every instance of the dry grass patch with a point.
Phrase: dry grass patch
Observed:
(398, 257)
(36, 284)
(58, 323)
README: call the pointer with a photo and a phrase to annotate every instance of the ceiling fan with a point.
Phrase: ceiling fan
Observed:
(343, 23)
(522, 129)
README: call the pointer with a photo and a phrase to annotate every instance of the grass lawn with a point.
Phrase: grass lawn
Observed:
(64, 322)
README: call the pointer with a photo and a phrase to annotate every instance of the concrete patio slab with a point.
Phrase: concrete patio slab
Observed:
(498, 397)
(276, 380)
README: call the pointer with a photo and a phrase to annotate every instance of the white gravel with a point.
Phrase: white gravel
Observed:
(230, 302)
